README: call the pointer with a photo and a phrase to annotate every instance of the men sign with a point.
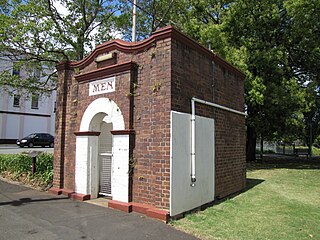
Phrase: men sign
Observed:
(102, 86)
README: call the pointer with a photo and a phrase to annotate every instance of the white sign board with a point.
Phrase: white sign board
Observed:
(102, 86)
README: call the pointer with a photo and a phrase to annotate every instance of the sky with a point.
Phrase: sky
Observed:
(64, 11)
(60, 8)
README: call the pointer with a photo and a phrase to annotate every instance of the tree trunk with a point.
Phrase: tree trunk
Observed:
(261, 147)
(251, 144)
(311, 140)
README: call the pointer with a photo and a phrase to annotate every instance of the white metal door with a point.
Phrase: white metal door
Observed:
(105, 159)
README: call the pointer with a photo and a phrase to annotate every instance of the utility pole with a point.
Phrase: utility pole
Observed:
(134, 19)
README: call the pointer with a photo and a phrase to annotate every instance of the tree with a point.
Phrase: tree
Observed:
(267, 34)
(274, 42)
(255, 36)
(37, 33)
(203, 21)
(311, 120)
(151, 15)
(303, 43)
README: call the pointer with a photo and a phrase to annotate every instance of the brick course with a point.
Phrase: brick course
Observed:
(165, 72)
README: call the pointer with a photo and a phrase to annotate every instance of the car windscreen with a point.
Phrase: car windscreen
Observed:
(30, 136)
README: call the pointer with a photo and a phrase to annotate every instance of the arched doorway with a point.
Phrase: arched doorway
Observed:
(105, 159)
(102, 158)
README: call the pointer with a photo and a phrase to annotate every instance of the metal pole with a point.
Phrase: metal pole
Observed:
(193, 131)
(219, 106)
(134, 19)
(193, 143)
(34, 168)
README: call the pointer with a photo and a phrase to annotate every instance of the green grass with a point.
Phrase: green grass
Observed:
(282, 201)
(315, 151)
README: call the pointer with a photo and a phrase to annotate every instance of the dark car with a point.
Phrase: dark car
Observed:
(36, 139)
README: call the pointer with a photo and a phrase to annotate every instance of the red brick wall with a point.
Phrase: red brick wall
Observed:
(61, 126)
(194, 76)
(145, 105)
(151, 178)
(168, 74)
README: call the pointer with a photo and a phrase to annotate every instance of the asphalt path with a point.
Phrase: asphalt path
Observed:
(14, 149)
(26, 214)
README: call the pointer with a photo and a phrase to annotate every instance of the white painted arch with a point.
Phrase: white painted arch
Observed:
(111, 113)
(86, 170)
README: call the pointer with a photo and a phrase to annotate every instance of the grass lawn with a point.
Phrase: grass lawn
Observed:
(282, 201)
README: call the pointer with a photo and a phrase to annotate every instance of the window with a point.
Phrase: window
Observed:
(37, 73)
(16, 100)
(16, 70)
(35, 101)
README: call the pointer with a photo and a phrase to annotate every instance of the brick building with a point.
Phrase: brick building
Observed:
(125, 128)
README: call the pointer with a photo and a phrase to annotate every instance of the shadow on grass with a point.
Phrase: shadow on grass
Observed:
(250, 183)
(280, 161)
(268, 162)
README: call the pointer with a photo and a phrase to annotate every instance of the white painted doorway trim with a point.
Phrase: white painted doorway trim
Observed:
(86, 169)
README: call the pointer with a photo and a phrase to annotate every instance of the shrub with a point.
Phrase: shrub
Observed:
(20, 164)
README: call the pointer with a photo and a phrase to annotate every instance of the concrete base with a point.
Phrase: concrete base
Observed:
(140, 208)
(162, 215)
(70, 194)
(147, 210)
(67, 192)
(55, 191)
(144, 209)
(102, 202)
(125, 207)
(80, 197)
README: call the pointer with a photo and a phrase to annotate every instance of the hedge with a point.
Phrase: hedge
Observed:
(20, 164)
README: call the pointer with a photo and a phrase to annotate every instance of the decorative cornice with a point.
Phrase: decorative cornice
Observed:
(124, 132)
(103, 72)
(87, 133)
(133, 47)
(123, 46)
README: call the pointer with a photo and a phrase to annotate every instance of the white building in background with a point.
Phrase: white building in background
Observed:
(24, 114)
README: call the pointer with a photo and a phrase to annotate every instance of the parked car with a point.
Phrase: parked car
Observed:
(36, 139)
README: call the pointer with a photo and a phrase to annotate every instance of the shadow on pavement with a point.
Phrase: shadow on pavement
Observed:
(23, 201)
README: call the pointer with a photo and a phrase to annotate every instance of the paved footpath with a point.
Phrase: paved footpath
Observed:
(26, 214)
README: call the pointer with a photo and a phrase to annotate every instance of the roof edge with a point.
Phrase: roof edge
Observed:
(132, 47)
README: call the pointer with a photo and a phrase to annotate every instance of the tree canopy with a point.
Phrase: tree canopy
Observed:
(280, 61)
(45, 32)
(276, 43)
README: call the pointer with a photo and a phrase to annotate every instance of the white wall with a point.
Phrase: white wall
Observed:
(12, 126)
(183, 196)
(120, 176)
(14, 121)
(102, 109)
(34, 124)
